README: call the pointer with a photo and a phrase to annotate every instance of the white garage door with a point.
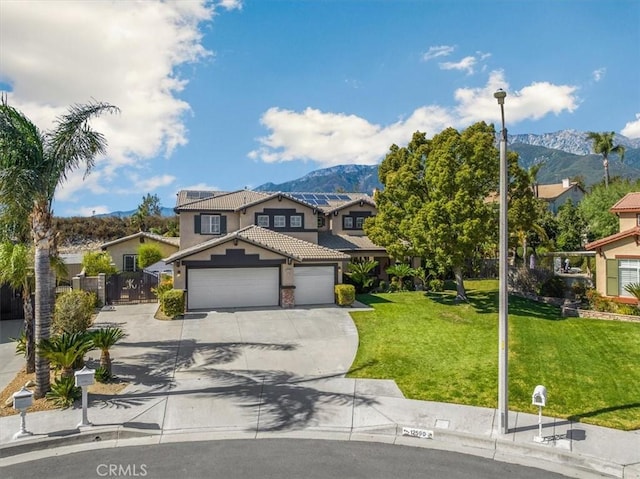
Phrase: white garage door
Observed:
(211, 288)
(314, 284)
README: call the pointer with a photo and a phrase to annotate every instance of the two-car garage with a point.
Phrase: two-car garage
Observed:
(211, 288)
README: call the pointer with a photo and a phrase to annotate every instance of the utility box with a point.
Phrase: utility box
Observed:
(539, 397)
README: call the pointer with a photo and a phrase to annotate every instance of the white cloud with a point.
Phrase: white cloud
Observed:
(124, 53)
(199, 187)
(230, 4)
(338, 138)
(466, 64)
(632, 128)
(598, 74)
(438, 51)
(87, 211)
(151, 184)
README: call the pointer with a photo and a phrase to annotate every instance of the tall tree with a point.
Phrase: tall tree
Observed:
(603, 145)
(433, 204)
(33, 164)
(150, 206)
(571, 228)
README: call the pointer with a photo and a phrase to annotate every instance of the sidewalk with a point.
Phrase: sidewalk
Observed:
(195, 401)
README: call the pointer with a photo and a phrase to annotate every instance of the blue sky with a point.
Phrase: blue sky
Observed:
(232, 94)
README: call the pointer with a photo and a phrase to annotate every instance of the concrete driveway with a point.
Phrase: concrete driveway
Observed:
(10, 363)
(231, 369)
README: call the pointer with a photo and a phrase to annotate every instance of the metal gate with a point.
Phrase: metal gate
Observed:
(131, 287)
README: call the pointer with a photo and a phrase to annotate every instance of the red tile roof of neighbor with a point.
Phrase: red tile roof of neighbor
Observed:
(629, 203)
(611, 239)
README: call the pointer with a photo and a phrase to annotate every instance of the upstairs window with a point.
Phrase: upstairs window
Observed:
(296, 221)
(359, 222)
(210, 224)
(263, 220)
(279, 221)
(347, 222)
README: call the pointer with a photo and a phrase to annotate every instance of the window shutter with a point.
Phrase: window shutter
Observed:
(223, 225)
(196, 227)
(612, 278)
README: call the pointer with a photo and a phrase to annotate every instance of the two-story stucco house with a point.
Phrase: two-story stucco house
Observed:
(557, 194)
(248, 249)
(618, 255)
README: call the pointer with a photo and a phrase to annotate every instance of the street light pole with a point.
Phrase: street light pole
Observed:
(503, 306)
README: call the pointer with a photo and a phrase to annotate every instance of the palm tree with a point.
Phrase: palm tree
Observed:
(603, 145)
(16, 270)
(33, 164)
(360, 273)
(104, 339)
(64, 350)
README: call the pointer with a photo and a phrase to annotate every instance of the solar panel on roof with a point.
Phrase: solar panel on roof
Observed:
(344, 197)
(322, 202)
(332, 197)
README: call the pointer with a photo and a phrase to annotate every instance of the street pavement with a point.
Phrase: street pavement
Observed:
(279, 373)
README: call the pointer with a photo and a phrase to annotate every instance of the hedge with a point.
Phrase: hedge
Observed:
(172, 302)
(345, 294)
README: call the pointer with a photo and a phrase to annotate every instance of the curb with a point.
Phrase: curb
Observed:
(542, 457)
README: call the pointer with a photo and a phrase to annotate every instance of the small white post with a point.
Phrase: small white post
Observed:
(539, 398)
(84, 379)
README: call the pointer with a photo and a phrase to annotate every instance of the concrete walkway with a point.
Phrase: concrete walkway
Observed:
(280, 373)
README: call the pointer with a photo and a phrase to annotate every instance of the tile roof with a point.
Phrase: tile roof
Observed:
(190, 200)
(551, 192)
(629, 203)
(344, 242)
(613, 238)
(223, 201)
(286, 245)
(174, 241)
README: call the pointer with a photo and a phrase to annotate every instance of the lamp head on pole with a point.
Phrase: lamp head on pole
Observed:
(500, 95)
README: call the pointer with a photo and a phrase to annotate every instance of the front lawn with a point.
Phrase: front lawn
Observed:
(438, 350)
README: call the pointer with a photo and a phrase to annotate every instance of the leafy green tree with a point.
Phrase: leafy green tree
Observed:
(398, 203)
(434, 200)
(33, 165)
(16, 270)
(148, 254)
(594, 207)
(360, 273)
(96, 262)
(149, 207)
(571, 228)
(400, 271)
(104, 339)
(73, 312)
(603, 145)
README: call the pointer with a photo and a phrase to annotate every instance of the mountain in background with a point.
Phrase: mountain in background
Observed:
(564, 154)
(125, 214)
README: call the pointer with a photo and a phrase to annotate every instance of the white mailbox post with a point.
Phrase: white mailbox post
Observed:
(539, 398)
(85, 378)
(22, 400)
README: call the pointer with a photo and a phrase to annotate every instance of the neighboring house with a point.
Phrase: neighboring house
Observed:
(248, 248)
(618, 255)
(73, 263)
(124, 251)
(558, 194)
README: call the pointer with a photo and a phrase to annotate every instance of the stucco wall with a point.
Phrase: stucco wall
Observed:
(336, 221)
(117, 251)
(624, 247)
(628, 221)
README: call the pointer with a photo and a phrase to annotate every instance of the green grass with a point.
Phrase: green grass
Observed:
(438, 350)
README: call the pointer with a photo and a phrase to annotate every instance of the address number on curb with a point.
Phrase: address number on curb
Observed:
(421, 433)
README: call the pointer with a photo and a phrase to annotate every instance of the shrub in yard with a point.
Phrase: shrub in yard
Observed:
(633, 289)
(628, 309)
(527, 280)
(553, 287)
(66, 350)
(172, 303)
(64, 392)
(103, 375)
(148, 254)
(436, 285)
(104, 339)
(598, 303)
(73, 312)
(345, 294)
(95, 262)
(166, 284)
(360, 273)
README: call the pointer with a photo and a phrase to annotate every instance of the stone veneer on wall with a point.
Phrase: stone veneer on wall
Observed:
(287, 296)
